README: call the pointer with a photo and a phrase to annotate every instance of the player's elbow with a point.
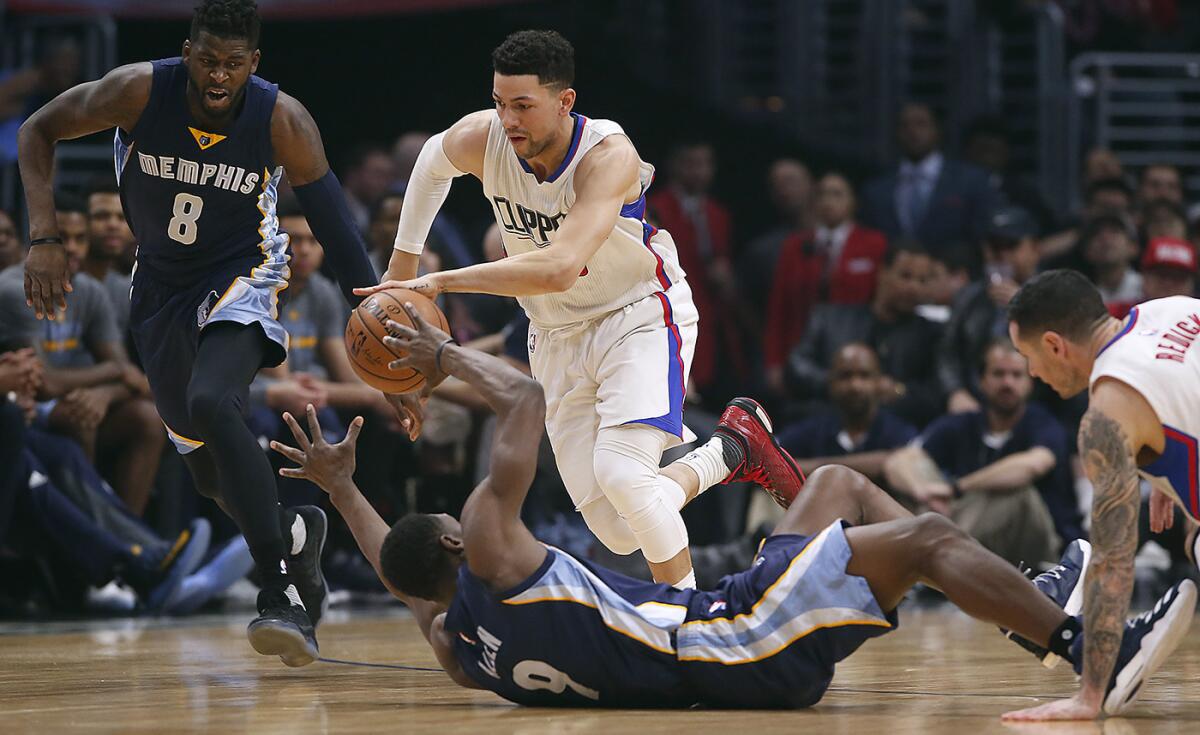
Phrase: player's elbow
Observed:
(561, 277)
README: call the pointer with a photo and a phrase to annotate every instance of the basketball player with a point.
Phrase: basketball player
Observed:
(613, 327)
(200, 147)
(1143, 418)
(534, 625)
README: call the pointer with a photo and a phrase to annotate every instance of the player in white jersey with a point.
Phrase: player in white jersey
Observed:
(613, 327)
(1143, 418)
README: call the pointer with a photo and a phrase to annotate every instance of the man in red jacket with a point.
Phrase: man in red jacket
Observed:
(835, 263)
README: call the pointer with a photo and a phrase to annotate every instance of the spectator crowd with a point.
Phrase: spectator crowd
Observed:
(868, 316)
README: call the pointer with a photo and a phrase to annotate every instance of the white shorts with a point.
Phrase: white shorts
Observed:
(629, 366)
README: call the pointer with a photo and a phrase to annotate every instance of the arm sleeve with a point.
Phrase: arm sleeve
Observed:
(324, 205)
(427, 189)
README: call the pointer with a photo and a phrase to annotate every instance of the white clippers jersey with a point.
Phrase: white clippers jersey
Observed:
(635, 261)
(1153, 355)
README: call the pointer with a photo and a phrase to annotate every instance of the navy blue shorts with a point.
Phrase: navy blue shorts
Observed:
(770, 636)
(166, 322)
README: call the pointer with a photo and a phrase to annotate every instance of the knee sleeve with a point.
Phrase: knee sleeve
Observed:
(626, 468)
(609, 528)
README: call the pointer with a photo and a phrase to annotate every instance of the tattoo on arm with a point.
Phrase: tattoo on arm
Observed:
(1110, 466)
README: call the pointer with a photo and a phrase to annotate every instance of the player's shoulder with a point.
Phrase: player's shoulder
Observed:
(289, 111)
(472, 129)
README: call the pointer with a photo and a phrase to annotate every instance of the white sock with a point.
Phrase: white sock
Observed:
(688, 582)
(299, 535)
(708, 462)
(673, 493)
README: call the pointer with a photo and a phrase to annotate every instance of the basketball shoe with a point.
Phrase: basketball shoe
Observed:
(757, 456)
(1149, 639)
(161, 584)
(304, 566)
(283, 627)
(1064, 585)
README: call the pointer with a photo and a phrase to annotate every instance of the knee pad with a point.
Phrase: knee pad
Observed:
(626, 468)
(609, 528)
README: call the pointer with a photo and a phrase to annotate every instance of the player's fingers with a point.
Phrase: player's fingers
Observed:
(314, 426)
(400, 363)
(28, 290)
(295, 472)
(297, 433)
(35, 296)
(368, 290)
(352, 431)
(290, 452)
(399, 330)
(417, 320)
(57, 299)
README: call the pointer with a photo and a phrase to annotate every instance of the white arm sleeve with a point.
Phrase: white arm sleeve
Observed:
(427, 189)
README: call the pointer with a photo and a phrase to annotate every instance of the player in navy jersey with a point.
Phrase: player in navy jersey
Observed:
(201, 145)
(536, 626)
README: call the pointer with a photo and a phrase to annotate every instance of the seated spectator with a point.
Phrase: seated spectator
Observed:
(476, 315)
(949, 275)
(95, 394)
(701, 229)
(25, 90)
(11, 251)
(790, 189)
(1100, 164)
(890, 326)
(367, 174)
(1011, 259)
(109, 240)
(1002, 473)
(1110, 249)
(381, 234)
(986, 143)
(836, 263)
(937, 200)
(1164, 218)
(1169, 269)
(1104, 196)
(856, 431)
(1160, 181)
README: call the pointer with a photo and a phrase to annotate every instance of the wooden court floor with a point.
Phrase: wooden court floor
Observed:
(940, 673)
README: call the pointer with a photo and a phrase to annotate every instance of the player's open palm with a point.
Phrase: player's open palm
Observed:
(329, 466)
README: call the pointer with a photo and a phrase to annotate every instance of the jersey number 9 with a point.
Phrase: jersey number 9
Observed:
(182, 227)
(535, 675)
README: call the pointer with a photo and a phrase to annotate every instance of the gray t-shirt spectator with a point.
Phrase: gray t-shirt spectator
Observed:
(116, 285)
(316, 313)
(62, 343)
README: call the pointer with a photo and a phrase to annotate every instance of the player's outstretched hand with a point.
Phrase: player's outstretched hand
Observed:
(329, 466)
(1074, 708)
(429, 286)
(410, 410)
(47, 279)
(422, 342)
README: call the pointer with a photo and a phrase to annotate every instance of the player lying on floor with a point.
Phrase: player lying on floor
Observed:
(505, 613)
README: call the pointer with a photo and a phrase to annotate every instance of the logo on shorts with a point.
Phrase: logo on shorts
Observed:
(532, 341)
(205, 308)
(717, 606)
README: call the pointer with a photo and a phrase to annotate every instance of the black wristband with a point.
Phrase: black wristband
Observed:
(46, 241)
(437, 356)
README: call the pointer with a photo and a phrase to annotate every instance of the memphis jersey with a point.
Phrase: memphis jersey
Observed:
(636, 260)
(571, 634)
(1155, 354)
(200, 200)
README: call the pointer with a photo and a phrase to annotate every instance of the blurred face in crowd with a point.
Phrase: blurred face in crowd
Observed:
(1159, 283)
(835, 200)
(307, 253)
(904, 284)
(109, 233)
(988, 151)
(384, 221)
(10, 246)
(493, 244)
(917, 132)
(693, 168)
(1161, 182)
(944, 283)
(405, 151)
(1161, 220)
(1019, 258)
(1110, 247)
(1005, 381)
(73, 228)
(1051, 359)
(531, 112)
(791, 187)
(1101, 164)
(372, 178)
(854, 381)
(1109, 200)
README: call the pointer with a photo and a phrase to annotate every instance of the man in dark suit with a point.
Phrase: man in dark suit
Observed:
(937, 200)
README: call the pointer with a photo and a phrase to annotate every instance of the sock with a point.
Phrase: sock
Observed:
(713, 461)
(1063, 637)
(673, 494)
(296, 533)
(688, 582)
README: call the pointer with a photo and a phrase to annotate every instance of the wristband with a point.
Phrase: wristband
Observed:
(46, 240)
(437, 356)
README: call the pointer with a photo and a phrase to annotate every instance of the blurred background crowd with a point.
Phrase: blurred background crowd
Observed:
(857, 188)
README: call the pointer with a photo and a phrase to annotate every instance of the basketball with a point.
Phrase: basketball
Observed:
(366, 329)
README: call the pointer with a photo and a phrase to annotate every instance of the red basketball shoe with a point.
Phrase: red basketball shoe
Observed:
(765, 462)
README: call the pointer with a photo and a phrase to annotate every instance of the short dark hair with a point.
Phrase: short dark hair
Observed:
(227, 19)
(544, 53)
(1062, 301)
(412, 558)
(101, 185)
(997, 342)
(67, 203)
(1160, 164)
(904, 245)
